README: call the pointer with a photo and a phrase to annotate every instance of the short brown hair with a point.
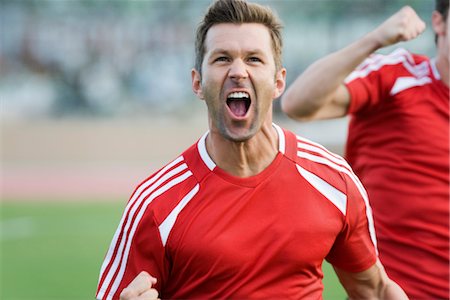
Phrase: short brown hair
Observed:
(238, 12)
(441, 7)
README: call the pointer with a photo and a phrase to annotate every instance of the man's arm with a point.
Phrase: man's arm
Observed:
(370, 284)
(320, 93)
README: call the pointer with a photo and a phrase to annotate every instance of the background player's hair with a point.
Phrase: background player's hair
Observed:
(442, 8)
(238, 12)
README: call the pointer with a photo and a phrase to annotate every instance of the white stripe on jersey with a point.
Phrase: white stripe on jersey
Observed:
(137, 193)
(403, 83)
(334, 195)
(322, 151)
(176, 175)
(157, 193)
(281, 138)
(376, 58)
(201, 146)
(378, 61)
(167, 225)
(353, 177)
(143, 191)
(375, 62)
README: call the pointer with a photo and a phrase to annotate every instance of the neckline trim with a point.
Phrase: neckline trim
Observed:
(201, 146)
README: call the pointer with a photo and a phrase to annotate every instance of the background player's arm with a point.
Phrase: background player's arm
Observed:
(320, 93)
(370, 284)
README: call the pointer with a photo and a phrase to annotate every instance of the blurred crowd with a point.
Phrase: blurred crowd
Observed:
(125, 58)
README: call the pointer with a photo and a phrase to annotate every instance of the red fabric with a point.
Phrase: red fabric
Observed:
(398, 144)
(260, 237)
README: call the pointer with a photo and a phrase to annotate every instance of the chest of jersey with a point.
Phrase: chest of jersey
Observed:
(236, 239)
(411, 128)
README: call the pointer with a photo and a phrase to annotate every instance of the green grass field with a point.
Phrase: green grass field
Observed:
(55, 250)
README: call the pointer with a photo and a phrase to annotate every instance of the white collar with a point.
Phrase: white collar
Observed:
(201, 146)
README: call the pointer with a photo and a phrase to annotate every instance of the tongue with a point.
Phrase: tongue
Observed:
(238, 107)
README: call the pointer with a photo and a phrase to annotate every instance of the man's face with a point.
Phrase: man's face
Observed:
(239, 80)
(446, 38)
(441, 29)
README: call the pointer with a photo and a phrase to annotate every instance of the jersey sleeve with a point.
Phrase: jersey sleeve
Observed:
(355, 247)
(139, 243)
(136, 247)
(370, 84)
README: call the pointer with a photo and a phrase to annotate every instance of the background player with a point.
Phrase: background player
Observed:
(398, 141)
(250, 210)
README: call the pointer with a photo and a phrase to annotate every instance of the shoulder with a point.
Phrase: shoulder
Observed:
(315, 161)
(333, 177)
(329, 174)
(399, 56)
(163, 190)
(398, 61)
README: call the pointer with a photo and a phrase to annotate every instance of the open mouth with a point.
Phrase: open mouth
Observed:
(239, 103)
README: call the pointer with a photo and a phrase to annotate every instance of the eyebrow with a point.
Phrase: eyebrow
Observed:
(251, 52)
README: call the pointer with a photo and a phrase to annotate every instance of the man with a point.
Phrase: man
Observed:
(398, 141)
(250, 210)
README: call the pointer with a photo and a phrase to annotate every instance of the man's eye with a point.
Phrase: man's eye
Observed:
(254, 59)
(221, 58)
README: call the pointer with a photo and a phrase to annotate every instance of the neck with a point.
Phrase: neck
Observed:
(442, 65)
(244, 159)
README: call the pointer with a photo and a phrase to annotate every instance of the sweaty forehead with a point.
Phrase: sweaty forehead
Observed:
(247, 37)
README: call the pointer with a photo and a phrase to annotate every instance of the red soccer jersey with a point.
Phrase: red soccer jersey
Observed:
(398, 144)
(206, 234)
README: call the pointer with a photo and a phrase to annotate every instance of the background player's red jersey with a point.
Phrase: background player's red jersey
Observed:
(398, 144)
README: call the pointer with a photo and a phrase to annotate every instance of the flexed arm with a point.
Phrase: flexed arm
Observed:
(370, 284)
(319, 92)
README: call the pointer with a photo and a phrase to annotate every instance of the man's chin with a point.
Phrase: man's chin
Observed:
(239, 136)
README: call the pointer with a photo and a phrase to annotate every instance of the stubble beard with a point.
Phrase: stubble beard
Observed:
(226, 132)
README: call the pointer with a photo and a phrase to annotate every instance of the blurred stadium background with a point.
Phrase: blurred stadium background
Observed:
(95, 95)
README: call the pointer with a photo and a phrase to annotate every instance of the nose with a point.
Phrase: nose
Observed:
(238, 70)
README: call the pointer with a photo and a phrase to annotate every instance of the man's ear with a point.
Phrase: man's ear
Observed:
(280, 83)
(438, 23)
(197, 83)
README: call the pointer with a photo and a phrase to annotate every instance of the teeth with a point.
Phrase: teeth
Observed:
(239, 95)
